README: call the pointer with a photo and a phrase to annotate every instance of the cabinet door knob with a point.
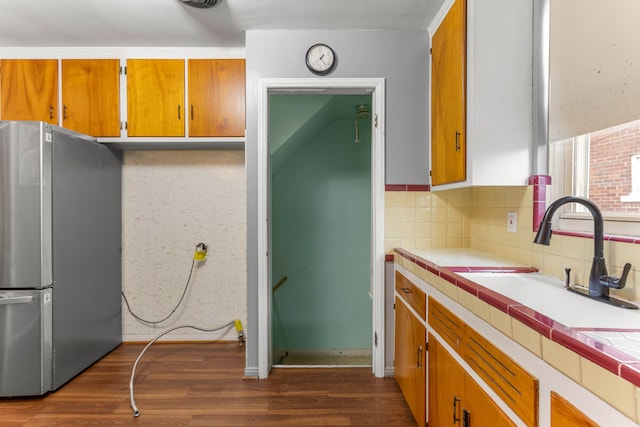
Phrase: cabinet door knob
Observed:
(406, 290)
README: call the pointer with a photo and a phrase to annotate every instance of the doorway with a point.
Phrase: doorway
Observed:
(271, 271)
(320, 157)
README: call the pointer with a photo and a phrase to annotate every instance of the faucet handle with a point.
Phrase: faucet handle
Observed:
(615, 283)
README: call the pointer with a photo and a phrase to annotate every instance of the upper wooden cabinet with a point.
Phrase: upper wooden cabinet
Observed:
(448, 98)
(155, 97)
(91, 96)
(29, 90)
(481, 92)
(216, 97)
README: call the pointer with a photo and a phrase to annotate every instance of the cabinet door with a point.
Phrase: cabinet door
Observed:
(564, 414)
(410, 357)
(29, 90)
(91, 96)
(216, 97)
(446, 387)
(448, 93)
(481, 410)
(155, 97)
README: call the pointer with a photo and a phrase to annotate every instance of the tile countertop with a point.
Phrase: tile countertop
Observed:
(606, 335)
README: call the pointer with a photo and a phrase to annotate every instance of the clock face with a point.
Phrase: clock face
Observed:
(321, 59)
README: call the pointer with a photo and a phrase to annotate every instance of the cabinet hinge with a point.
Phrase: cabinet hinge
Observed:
(123, 70)
(426, 346)
(375, 120)
(123, 125)
(430, 51)
(375, 339)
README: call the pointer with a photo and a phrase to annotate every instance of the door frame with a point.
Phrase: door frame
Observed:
(376, 88)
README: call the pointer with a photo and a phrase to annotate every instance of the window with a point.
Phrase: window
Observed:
(634, 196)
(605, 167)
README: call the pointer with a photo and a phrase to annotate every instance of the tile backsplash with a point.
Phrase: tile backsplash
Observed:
(477, 218)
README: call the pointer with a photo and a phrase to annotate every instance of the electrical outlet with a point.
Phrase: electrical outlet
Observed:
(201, 251)
(512, 222)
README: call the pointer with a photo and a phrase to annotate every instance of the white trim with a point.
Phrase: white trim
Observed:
(437, 20)
(377, 88)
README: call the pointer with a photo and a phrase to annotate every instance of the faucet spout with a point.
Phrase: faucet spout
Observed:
(598, 267)
(599, 280)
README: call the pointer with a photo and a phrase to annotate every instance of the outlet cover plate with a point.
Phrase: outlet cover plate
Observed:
(512, 222)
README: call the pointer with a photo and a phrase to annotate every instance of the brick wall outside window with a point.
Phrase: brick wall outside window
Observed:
(610, 166)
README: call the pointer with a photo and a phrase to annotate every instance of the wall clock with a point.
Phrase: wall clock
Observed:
(321, 59)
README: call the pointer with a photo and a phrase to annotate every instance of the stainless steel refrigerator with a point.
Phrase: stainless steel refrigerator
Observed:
(60, 255)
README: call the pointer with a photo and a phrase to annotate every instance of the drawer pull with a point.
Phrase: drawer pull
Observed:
(456, 417)
(419, 357)
(406, 290)
(466, 418)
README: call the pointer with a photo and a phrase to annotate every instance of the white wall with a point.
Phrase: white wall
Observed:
(171, 200)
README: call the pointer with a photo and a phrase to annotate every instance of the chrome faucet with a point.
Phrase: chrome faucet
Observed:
(599, 281)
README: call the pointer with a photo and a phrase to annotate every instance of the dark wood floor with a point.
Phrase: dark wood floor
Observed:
(203, 385)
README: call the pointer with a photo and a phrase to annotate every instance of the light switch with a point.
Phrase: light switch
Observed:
(512, 222)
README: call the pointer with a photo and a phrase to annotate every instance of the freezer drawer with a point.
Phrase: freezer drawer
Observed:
(25, 342)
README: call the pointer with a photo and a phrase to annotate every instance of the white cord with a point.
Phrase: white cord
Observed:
(136, 411)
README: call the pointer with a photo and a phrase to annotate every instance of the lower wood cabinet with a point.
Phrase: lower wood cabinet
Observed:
(564, 414)
(514, 386)
(410, 360)
(454, 397)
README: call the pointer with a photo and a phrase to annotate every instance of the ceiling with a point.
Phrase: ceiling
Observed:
(170, 23)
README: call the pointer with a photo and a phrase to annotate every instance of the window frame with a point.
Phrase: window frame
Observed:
(569, 168)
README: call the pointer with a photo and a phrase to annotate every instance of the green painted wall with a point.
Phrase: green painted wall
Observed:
(321, 225)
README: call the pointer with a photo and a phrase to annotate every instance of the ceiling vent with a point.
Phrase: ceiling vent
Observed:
(202, 4)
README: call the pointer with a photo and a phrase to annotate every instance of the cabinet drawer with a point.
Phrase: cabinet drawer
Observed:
(412, 294)
(517, 388)
(447, 324)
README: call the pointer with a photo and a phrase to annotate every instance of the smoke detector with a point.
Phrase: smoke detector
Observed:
(201, 4)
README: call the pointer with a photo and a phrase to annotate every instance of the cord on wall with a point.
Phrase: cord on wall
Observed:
(200, 254)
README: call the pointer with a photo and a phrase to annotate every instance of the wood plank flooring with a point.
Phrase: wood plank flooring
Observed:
(202, 384)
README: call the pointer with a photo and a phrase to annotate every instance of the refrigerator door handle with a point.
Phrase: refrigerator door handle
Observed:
(15, 300)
